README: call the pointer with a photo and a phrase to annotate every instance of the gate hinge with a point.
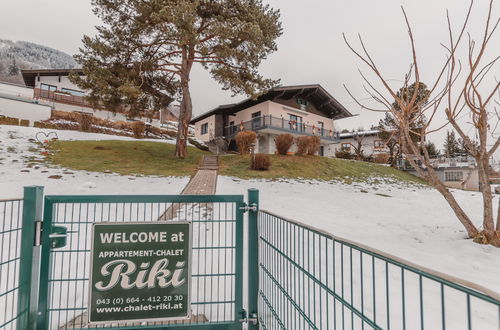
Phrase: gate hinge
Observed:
(38, 233)
(252, 207)
(253, 318)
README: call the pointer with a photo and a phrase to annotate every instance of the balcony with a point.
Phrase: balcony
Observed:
(60, 97)
(270, 124)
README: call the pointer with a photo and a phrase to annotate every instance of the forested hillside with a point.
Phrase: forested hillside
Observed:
(18, 55)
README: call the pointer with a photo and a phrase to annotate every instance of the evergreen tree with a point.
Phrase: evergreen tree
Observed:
(13, 68)
(432, 150)
(389, 130)
(463, 146)
(451, 145)
(164, 39)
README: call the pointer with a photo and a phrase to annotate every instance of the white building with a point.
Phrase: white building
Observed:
(367, 141)
(53, 89)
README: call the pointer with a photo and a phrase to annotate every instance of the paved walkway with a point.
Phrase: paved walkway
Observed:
(204, 182)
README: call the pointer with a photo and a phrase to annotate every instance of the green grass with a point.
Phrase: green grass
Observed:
(312, 167)
(155, 158)
(124, 157)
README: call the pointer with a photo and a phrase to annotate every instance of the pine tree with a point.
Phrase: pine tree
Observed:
(432, 150)
(389, 130)
(463, 146)
(451, 146)
(13, 68)
(163, 39)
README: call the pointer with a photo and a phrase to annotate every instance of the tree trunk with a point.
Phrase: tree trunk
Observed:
(488, 224)
(186, 108)
(498, 216)
(432, 178)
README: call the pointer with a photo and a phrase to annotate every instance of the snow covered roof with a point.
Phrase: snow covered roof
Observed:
(30, 75)
(365, 133)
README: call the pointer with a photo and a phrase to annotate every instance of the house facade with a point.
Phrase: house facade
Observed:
(368, 142)
(54, 88)
(297, 110)
(458, 172)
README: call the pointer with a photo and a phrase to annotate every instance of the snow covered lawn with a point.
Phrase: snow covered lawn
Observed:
(409, 221)
(16, 148)
(414, 223)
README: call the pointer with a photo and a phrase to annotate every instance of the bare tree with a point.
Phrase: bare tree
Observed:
(360, 140)
(470, 100)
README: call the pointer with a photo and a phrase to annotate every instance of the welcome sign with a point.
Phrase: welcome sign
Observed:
(140, 271)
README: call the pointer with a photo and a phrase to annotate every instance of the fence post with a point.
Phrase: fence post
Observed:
(32, 212)
(253, 257)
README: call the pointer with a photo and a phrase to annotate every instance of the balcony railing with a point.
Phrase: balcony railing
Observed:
(281, 124)
(61, 97)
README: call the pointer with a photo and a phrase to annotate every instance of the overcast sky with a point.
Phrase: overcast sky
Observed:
(311, 49)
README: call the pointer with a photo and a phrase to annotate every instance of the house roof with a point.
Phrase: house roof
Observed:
(30, 75)
(323, 100)
(364, 133)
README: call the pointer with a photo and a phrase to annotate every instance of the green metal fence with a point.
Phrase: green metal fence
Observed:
(217, 256)
(10, 255)
(306, 278)
(310, 279)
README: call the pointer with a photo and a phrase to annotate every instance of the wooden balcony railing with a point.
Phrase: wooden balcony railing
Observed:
(56, 96)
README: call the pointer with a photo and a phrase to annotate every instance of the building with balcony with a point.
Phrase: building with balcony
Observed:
(368, 141)
(297, 110)
(53, 87)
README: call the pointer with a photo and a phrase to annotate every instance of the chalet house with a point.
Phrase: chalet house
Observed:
(368, 141)
(53, 87)
(297, 110)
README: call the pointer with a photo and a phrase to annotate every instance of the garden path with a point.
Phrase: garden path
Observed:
(204, 182)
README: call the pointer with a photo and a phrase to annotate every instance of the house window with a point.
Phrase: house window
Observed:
(256, 120)
(346, 147)
(204, 128)
(321, 127)
(453, 176)
(46, 87)
(378, 144)
(295, 122)
(72, 92)
(302, 103)
(232, 128)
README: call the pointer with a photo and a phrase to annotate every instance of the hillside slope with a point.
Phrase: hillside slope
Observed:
(17, 55)
(316, 168)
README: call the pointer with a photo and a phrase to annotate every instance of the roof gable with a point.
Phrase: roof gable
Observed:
(316, 94)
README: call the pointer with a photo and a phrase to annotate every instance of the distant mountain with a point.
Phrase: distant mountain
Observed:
(18, 55)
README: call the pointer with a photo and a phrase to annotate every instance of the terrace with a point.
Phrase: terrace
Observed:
(270, 124)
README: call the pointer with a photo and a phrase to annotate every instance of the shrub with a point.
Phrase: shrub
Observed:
(244, 140)
(64, 115)
(283, 143)
(314, 145)
(25, 122)
(302, 143)
(41, 124)
(8, 120)
(381, 158)
(343, 154)
(138, 128)
(85, 120)
(261, 162)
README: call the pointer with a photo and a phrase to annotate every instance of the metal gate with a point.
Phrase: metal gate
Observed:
(64, 257)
